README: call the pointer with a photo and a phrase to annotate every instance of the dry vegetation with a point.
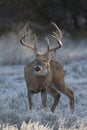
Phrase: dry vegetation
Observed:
(13, 92)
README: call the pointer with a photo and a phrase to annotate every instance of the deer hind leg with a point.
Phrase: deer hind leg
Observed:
(56, 95)
(63, 89)
(44, 98)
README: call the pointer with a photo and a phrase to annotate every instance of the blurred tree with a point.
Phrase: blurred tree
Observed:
(68, 14)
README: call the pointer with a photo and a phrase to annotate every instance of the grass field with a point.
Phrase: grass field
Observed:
(14, 112)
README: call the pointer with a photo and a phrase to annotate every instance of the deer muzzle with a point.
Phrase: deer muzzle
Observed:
(39, 71)
(38, 68)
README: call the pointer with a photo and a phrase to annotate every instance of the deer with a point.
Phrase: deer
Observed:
(45, 75)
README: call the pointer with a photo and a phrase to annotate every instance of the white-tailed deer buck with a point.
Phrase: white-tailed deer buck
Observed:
(46, 75)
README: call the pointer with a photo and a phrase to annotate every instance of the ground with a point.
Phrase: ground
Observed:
(14, 100)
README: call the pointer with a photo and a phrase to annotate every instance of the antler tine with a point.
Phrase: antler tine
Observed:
(57, 37)
(25, 27)
(25, 44)
(59, 31)
(48, 44)
(25, 34)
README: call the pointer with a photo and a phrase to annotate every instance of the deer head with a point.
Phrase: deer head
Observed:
(42, 59)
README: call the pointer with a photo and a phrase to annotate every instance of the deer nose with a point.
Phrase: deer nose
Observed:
(37, 68)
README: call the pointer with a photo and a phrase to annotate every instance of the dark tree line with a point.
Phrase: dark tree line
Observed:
(69, 14)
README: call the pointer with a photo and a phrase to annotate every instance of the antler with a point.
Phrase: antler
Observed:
(23, 37)
(57, 37)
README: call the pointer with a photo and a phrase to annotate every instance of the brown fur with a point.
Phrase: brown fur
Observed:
(46, 75)
(51, 83)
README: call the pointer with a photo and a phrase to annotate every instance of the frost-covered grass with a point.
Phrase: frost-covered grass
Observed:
(11, 51)
(37, 126)
(14, 112)
(26, 126)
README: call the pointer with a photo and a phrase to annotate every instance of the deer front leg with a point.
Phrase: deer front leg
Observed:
(56, 95)
(30, 100)
(44, 98)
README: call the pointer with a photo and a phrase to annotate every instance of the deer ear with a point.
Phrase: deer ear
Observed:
(52, 55)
